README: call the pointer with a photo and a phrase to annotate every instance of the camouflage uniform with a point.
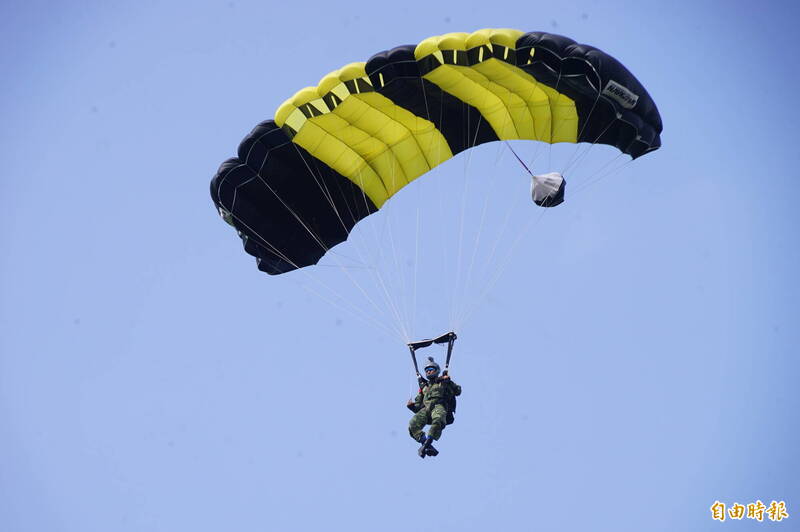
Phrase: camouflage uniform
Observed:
(430, 407)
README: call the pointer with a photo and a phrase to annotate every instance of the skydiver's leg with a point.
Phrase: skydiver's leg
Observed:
(417, 424)
(438, 421)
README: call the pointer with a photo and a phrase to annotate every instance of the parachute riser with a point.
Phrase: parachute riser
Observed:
(420, 378)
(451, 340)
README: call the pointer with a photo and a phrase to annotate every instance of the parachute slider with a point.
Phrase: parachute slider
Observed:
(443, 339)
(547, 190)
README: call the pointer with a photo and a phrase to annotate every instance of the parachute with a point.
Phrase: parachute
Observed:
(336, 153)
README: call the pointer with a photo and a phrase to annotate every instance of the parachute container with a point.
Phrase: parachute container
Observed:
(547, 190)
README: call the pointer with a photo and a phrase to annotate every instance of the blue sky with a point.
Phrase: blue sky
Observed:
(151, 378)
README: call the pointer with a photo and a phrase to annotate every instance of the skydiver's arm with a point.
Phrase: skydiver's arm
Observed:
(416, 404)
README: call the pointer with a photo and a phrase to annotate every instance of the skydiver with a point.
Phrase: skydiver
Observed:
(434, 405)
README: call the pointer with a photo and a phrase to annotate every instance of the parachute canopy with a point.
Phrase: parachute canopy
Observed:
(335, 153)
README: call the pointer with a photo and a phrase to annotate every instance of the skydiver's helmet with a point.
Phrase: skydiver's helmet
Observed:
(431, 369)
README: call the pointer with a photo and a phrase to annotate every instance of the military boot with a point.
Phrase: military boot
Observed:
(427, 447)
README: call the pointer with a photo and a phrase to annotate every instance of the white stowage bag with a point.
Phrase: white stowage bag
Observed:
(547, 190)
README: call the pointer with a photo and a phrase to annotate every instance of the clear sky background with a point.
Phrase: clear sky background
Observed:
(152, 379)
